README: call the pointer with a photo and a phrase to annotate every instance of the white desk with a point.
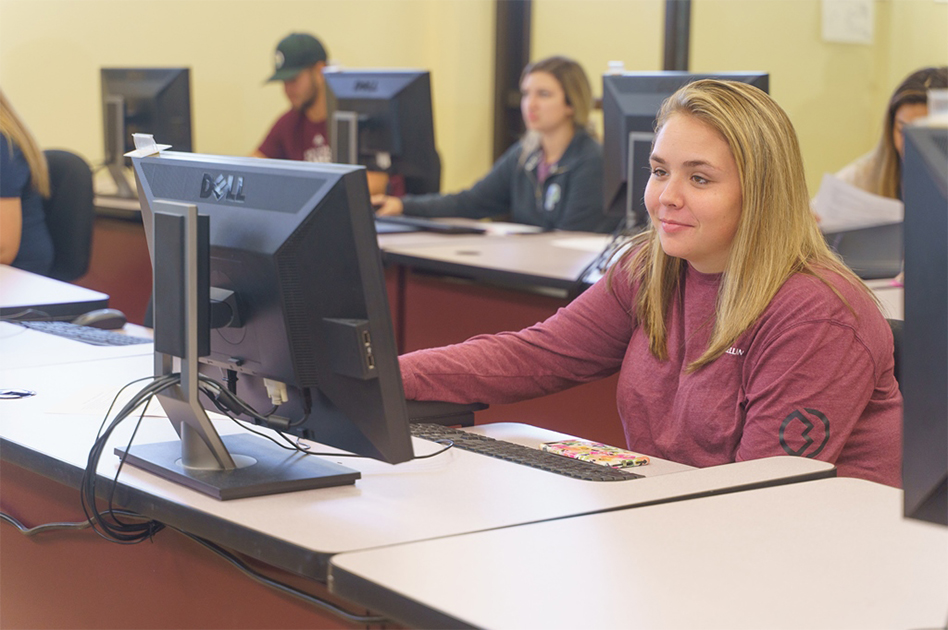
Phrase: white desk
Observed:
(832, 554)
(23, 348)
(549, 260)
(454, 493)
(22, 292)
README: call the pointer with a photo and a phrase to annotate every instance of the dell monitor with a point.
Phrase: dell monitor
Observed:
(382, 119)
(287, 252)
(155, 101)
(630, 104)
(924, 357)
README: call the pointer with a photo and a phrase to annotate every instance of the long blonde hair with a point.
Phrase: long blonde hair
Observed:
(776, 237)
(18, 135)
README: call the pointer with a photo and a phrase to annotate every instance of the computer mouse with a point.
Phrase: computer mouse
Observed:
(107, 318)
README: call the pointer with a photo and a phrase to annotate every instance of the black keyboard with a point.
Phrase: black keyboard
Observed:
(85, 334)
(520, 454)
(401, 223)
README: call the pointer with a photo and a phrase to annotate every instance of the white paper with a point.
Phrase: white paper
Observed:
(842, 206)
(591, 244)
(500, 228)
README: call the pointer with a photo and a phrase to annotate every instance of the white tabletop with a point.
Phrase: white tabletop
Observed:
(22, 347)
(21, 290)
(834, 553)
(554, 258)
(454, 493)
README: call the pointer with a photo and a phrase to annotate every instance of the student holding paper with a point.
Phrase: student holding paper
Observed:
(880, 171)
(736, 332)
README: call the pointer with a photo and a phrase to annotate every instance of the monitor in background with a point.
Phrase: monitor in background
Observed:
(630, 104)
(382, 119)
(924, 358)
(300, 328)
(155, 101)
(871, 252)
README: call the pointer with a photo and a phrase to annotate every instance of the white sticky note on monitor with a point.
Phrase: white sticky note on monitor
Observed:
(145, 145)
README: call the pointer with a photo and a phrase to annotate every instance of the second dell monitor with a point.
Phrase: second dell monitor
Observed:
(630, 103)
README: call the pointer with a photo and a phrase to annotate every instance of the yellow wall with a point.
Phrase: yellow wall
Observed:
(834, 93)
(51, 52)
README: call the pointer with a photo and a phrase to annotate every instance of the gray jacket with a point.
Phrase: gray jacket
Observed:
(571, 198)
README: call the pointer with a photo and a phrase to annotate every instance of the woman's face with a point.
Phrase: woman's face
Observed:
(543, 103)
(694, 193)
(906, 113)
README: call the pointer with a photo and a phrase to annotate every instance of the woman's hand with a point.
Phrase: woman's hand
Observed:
(387, 206)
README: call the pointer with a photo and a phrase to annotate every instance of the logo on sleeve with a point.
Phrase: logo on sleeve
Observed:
(799, 433)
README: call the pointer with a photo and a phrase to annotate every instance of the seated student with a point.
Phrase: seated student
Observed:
(301, 133)
(24, 180)
(880, 171)
(736, 332)
(551, 178)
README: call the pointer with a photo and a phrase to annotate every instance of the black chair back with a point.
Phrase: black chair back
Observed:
(70, 214)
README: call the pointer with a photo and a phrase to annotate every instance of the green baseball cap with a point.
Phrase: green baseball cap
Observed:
(295, 53)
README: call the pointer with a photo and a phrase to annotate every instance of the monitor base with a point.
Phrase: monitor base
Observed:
(267, 469)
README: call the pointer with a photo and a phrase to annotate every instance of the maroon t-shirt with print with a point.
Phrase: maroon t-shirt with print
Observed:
(296, 137)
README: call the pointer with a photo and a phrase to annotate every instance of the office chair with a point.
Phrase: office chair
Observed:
(70, 213)
(896, 326)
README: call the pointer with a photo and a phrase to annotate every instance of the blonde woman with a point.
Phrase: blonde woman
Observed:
(24, 181)
(736, 332)
(551, 178)
(880, 171)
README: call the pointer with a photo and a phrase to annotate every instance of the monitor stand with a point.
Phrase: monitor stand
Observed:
(122, 188)
(234, 467)
(115, 146)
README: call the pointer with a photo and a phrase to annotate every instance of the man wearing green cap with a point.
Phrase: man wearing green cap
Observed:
(301, 133)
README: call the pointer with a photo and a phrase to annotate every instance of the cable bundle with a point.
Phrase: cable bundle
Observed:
(108, 524)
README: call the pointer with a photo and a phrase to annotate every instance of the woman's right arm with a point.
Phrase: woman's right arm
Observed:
(11, 226)
(582, 342)
(490, 197)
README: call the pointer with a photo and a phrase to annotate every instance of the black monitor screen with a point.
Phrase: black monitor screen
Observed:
(382, 119)
(630, 104)
(155, 101)
(923, 367)
(295, 243)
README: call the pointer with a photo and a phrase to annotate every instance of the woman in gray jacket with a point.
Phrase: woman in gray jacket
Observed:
(551, 178)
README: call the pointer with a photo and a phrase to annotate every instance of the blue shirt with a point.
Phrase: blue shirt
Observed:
(36, 245)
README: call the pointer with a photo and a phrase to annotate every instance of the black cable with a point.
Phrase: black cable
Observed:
(280, 586)
(50, 527)
(616, 243)
(46, 527)
(107, 524)
(21, 315)
(220, 551)
(446, 441)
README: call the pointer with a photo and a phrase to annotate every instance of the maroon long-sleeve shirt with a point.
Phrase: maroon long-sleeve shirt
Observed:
(810, 378)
